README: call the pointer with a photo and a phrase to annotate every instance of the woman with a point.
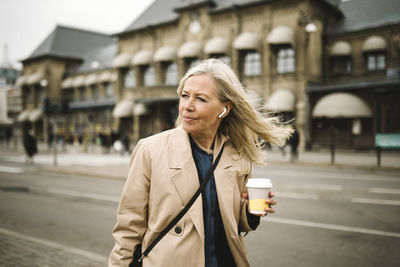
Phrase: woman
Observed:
(165, 171)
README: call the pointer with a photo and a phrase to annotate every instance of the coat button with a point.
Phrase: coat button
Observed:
(178, 230)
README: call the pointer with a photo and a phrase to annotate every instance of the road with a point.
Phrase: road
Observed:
(324, 217)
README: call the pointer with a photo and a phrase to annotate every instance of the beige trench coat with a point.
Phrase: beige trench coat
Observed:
(161, 180)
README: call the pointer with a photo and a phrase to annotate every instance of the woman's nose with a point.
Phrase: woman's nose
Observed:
(189, 104)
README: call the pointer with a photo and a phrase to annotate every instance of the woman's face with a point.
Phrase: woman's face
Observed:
(199, 106)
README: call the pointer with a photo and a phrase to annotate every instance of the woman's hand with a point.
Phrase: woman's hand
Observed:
(269, 201)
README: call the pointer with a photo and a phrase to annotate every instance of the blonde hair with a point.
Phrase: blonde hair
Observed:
(245, 126)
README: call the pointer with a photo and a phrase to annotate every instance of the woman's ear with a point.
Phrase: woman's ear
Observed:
(227, 109)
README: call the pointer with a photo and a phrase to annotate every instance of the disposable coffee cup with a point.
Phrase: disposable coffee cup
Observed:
(258, 189)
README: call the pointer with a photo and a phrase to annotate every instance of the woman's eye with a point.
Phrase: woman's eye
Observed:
(201, 99)
(184, 95)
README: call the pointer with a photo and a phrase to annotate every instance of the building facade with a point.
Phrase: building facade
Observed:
(329, 67)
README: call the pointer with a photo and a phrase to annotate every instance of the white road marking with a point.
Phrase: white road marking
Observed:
(385, 191)
(331, 226)
(87, 254)
(11, 169)
(297, 195)
(83, 194)
(328, 187)
(376, 201)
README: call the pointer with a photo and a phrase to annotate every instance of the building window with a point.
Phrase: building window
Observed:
(171, 73)
(252, 64)
(191, 62)
(68, 94)
(285, 61)
(40, 94)
(341, 65)
(129, 79)
(109, 90)
(29, 95)
(82, 93)
(376, 61)
(149, 76)
(95, 92)
(222, 57)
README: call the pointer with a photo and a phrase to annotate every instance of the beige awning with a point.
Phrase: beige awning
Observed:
(139, 109)
(122, 60)
(24, 115)
(282, 100)
(345, 105)
(247, 40)
(217, 45)
(35, 115)
(143, 57)
(374, 43)
(91, 79)
(67, 83)
(78, 81)
(21, 80)
(165, 53)
(106, 76)
(281, 35)
(123, 109)
(340, 48)
(34, 78)
(254, 99)
(190, 49)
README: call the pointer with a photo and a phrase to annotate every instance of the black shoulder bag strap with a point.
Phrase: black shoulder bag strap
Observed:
(182, 213)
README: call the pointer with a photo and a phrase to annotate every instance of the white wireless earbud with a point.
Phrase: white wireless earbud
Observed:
(222, 114)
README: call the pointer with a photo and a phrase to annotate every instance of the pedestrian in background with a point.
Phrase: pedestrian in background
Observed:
(30, 146)
(167, 168)
(294, 144)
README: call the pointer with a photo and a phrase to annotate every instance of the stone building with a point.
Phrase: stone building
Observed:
(330, 67)
(43, 85)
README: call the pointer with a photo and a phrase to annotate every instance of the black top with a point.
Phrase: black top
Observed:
(217, 252)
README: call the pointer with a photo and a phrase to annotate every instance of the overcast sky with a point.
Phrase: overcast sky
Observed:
(24, 24)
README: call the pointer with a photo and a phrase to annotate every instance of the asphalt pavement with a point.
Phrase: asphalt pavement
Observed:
(94, 162)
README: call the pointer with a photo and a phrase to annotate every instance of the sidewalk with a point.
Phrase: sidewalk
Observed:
(112, 165)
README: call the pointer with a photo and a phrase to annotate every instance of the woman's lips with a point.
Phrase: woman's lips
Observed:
(188, 118)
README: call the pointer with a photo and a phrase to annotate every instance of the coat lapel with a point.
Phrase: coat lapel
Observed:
(184, 176)
(225, 182)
